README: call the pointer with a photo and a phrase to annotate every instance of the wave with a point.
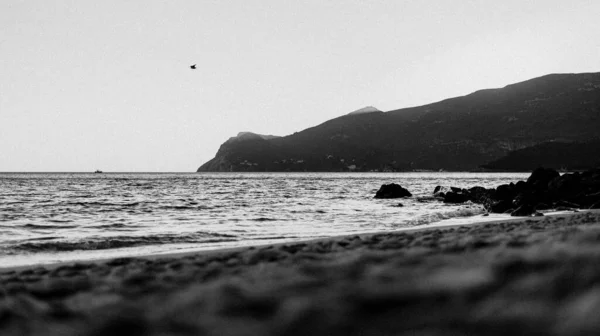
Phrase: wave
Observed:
(39, 226)
(104, 243)
(277, 237)
(94, 204)
(263, 219)
(191, 206)
(466, 211)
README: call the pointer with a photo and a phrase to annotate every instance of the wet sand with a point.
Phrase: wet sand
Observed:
(528, 276)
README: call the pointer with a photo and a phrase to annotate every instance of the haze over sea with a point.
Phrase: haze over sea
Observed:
(52, 217)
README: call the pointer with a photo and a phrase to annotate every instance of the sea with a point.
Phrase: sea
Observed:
(57, 217)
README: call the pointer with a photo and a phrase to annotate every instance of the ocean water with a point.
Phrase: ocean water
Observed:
(53, 217)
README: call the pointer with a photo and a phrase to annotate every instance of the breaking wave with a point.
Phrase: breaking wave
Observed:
(466, 211)
(103, 243)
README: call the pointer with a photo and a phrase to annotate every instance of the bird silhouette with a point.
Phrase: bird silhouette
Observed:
(193, 66)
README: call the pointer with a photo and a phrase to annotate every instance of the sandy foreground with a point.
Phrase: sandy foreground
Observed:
(536, 275)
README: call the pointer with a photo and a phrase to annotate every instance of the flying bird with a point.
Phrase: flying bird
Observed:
(193, 67)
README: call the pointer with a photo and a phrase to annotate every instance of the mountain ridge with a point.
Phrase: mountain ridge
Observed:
(460, 133)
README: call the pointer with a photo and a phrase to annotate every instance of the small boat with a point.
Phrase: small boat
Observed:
(98, 172)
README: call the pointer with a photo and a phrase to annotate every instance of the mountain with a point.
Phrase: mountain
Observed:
(494, 129)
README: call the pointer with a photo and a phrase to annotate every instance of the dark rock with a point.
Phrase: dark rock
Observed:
(542, 206)
(588, 199)
(567, 184)
(481, 195)
(505, 192)
(523, 198)
(545, 189)
(477, 190)
(541, 177)
(524, 210)
(566, 204)
(502, 206)
(440, 191)
(392, 190)
(593, 174)
(531, 197)
(520, 187)
(455, 197)
(590, 182)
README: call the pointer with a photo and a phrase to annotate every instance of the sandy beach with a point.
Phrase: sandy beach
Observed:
(531, 275)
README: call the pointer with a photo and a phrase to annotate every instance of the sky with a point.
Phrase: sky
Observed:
(88, 84)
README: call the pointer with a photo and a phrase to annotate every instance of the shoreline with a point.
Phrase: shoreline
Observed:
(525, 275)
(212, 252)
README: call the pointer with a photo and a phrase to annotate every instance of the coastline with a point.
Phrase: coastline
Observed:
(523, 275)
(448, 223)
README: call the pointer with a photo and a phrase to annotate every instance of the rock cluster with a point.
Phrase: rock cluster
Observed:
(544, 189)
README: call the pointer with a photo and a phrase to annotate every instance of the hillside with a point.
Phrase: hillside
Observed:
(485, 128)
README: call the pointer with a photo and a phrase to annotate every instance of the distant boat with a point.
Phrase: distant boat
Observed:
(98, 172)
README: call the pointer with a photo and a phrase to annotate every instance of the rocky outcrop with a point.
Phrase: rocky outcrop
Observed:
(231, 153)
(245, 136)
(392, 190)
(551, 120)
(544, 189)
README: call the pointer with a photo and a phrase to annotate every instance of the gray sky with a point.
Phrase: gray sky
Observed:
(87, 84)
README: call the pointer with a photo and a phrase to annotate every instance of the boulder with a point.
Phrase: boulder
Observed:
(524, 210)
(455, 197)
(544, 189)
(565, 185)
(590, 182)
(542, 206)
(505, 192)
(478, 191)
(523, 198)
(481, 195)
(392, 190)
(502, 206)
(541, 177)
(521, 186)
(533, 197)
(440, 191)
(566, 204)
(588, 199)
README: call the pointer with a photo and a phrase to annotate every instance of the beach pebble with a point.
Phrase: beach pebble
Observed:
(580, 315)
